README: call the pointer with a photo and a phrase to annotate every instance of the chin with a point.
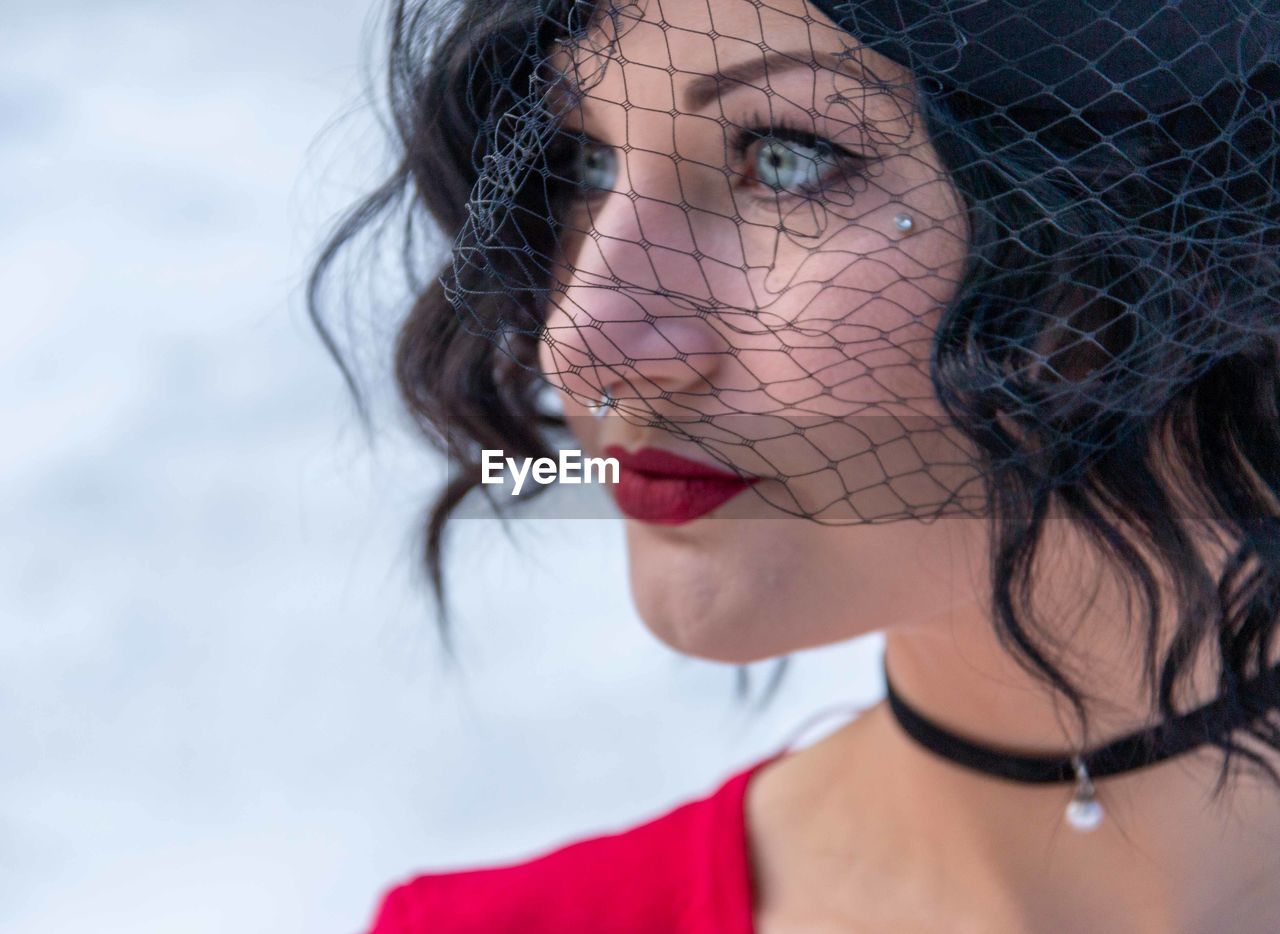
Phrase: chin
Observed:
(722, 591)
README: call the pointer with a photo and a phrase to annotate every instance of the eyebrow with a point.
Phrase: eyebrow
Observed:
(703, 89)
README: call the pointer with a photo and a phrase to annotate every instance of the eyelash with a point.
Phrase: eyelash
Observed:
(759, 128)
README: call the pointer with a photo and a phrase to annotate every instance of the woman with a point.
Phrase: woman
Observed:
(950, 320)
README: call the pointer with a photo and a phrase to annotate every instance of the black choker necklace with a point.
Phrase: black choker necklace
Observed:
(1133, 751)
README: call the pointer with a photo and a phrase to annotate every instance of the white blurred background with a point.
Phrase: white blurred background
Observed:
(222, 707)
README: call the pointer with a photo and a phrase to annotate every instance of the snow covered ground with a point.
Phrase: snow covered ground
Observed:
(222, 708)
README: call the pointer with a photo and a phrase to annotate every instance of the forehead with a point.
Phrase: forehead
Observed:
(695, 25)
(679, 54)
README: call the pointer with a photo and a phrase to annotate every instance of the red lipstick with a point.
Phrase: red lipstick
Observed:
(662, 488)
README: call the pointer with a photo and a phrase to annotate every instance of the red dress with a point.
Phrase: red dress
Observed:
(686, 872)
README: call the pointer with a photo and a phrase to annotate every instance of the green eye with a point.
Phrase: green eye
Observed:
(787, 165)
(595, 166)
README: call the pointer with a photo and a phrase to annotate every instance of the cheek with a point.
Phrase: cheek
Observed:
(845, 321)
(829, 388)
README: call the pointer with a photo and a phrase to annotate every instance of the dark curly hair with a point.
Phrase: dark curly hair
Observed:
(1166, 341)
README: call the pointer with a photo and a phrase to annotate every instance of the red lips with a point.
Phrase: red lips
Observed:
(659, 487)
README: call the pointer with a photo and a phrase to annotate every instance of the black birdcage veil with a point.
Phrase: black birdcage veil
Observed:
(876, 253)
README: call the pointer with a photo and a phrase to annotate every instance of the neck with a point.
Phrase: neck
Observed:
(1167, 857)
(871, 828)
(868, 820)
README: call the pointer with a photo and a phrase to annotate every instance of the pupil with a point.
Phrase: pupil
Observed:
(781, 164)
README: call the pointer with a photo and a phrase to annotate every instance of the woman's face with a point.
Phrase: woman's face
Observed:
(753, 270)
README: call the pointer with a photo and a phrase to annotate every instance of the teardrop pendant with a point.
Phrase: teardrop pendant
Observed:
(1084, 813)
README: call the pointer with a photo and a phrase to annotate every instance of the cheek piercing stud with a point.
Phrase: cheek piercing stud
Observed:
(904, 222)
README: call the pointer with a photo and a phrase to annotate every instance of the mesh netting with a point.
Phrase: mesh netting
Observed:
(874, 253)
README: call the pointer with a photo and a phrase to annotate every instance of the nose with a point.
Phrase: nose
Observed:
(631, 311)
